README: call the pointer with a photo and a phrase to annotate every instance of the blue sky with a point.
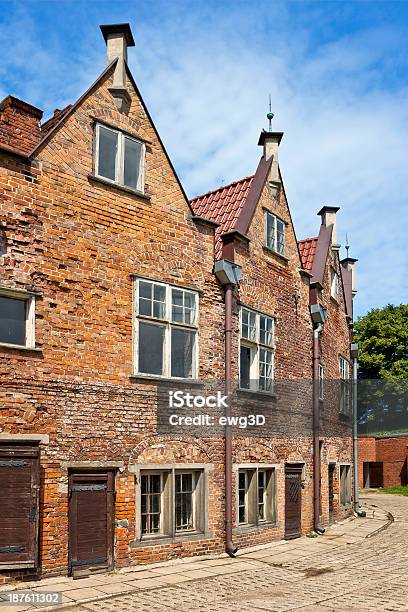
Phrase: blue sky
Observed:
(337, 73)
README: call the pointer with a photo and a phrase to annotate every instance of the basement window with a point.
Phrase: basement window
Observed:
(275, 233)
(256, 362)
(170, 502)
(119, 158)
(256, 495)
(166, 330)
(17, 318)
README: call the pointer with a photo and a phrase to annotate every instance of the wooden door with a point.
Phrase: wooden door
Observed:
(19, 501)
(376, 474)
(293, 501)
(331, 491)
(91, 514)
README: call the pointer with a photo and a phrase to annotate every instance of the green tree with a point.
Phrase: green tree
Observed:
(382, 335)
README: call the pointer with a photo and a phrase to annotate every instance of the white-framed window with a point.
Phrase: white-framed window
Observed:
(274, 233)
(256, 495)
(165, 330)
(170, 502)
(344, 371)
(256, 359)
(345, 485)
(17, 318)
(335, 284)
(321, 381)
(119, 158)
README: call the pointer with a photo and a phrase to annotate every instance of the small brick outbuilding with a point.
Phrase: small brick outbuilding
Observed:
(383, 460)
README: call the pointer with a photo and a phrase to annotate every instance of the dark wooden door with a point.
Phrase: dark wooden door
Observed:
(331, 491)
(293, 501)
(376, 474)
(19, 497)
(91, 513)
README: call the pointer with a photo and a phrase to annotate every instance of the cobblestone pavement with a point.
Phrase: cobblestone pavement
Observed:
(361, 565)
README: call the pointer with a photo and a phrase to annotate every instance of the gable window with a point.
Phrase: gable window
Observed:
(17, 318)
(170, 501)
(256, 493)
(275, 233)
(256, 360)
(334, 292)
(344, 369)
(166, 330)
(321, 381)
(345, 486)
(119, 158)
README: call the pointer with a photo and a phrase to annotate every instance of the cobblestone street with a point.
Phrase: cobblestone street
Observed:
(359, 565)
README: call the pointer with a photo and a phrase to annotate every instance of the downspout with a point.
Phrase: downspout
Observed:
(230, 547)
(316, 430)
(357, 511)
(228, 274)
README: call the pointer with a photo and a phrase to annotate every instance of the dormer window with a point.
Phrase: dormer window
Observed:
(275, 233)
(119, 158)
(335, 285)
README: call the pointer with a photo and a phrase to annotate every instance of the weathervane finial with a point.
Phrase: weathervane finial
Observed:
(270, 115)
(347, 245)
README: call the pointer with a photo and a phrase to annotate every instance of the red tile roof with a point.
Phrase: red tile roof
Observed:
(224, 206)
(307, 250)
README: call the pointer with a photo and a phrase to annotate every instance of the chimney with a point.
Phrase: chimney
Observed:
(270, 142)
(349, 264)
(118, 38)
(328, 215)
(19, 125)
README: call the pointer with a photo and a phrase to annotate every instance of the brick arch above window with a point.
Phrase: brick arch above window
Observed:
(168, 449)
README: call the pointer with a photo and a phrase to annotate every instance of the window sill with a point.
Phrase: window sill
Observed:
(257, 394)
(273, 252)
(161, 540)
(20, 347)
(103, 181)
(163, 379)
(241, 529)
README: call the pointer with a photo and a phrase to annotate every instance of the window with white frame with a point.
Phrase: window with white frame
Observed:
(256, 495)
(344, 369)
(256, 361)
(321, 381)
(172, 502)
(119, 158)
(345, 486)
(335, 285)
(17, 318)
(166, 330)
(275, 233)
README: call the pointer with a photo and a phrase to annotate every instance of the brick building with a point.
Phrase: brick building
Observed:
(383, 460)
(114, 285)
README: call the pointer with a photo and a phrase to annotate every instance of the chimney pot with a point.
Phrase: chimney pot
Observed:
(270, 142)
(328, 216)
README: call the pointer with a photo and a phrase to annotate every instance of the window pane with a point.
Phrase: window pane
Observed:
(108, 143)
(265, 370)
(184, 501)
(182, 345)
(183, 306)
(152, 299)
(242, 487)
(12, 320)
(266, 330)
(244, 367)
(280, 236)
(133, 152)
(270, 231)
(151, 342)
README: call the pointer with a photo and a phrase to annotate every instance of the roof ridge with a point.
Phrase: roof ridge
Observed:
(308, 239)
(222, 187)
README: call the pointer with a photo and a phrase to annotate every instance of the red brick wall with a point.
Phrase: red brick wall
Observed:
(391, 452)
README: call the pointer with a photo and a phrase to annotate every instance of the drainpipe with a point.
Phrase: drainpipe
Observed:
(316, 430)
(230, 548)
(228, 273)
(354, 355)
